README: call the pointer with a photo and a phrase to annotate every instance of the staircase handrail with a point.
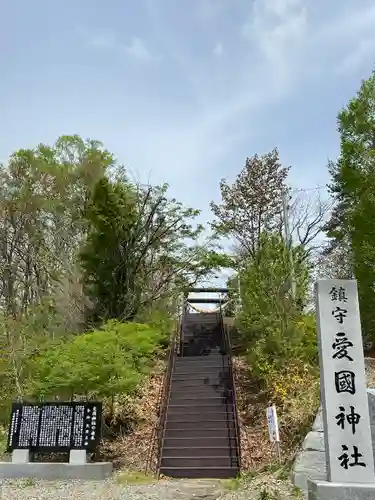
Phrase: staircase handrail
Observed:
(157, 437)
(233, 386)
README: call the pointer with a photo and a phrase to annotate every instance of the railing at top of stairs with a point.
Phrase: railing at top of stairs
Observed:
(157, 437)
(232, 388)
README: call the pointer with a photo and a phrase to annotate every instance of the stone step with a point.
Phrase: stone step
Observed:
(201, 368)
(209, 359)
(183, 425)
(183, 398)
(199, 418)
(200, 472)
(217, 407)
(208, 461)
(199, 442)
(205, 362)
(193, 383)
(197, 452)
(201, 434)
(202, 373)
(200, 390)
(191, 359)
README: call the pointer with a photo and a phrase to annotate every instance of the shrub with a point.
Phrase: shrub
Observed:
(98, 364)
(295, 342)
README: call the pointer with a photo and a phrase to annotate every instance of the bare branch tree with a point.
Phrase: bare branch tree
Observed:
(335, 264)
(309, 212)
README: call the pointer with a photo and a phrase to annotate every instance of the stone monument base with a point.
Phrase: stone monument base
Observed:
(322, 490)
(56, 471)
(77, 468)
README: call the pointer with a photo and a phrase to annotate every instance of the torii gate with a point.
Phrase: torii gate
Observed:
(222, 302)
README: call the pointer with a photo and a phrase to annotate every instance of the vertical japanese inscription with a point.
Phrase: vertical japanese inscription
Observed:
(344, 397)
(54, 426)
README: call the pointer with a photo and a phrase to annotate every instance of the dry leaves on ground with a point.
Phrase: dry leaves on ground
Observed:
(133, 450)
(370, 372)
(256, 450)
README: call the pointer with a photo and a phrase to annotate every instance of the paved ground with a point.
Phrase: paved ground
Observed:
(109, 490)
(162, 490)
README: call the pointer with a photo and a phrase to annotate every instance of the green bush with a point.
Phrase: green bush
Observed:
(274, 330)
(295, 342)
(98, 364)
(161, 319)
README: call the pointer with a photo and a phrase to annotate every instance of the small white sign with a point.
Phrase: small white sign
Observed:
(273, 426)
(346, 419)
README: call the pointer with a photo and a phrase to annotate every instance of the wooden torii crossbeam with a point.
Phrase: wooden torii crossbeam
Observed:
(222, 301)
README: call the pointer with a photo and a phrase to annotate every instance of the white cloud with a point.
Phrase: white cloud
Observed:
(281, 45)
(294, 43)
(277, 31)
(138, 50)
(276, 36)
(218, 50)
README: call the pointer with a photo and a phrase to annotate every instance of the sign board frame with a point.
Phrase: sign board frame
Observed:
(31, 426)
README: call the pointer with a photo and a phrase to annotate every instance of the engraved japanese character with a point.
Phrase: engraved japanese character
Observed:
(352, 418)
(344, 458)
(339, 314)
(338, 294)
(345, 381)
(341, 345)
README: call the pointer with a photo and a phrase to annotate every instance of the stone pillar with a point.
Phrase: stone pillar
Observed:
(345, 405)
(78, 457)
(20, 456)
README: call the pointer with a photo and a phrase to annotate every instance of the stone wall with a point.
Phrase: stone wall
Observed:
(311, 462)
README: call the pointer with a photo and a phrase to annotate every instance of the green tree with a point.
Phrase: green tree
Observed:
(111, 213)
(21, 339)
(269, 322)
(43, 192)
(141, 248)
(352, 188)
(263, 281)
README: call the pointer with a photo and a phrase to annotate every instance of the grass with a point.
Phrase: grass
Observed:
(231, 484)
(239, 482)
(271, 482)
(3, 442)
(266, 495)
(28, 482)
(134, 477)
(297, 492)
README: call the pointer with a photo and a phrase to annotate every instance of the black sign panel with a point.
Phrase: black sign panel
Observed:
(55, 427)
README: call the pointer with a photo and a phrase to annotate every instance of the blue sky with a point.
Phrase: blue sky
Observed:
(183, 90)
